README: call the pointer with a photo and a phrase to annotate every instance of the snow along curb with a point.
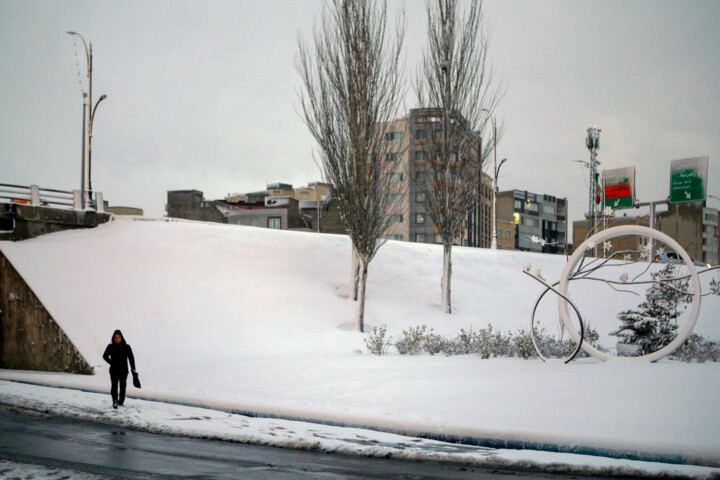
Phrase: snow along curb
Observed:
(441, 433)
(164, 418)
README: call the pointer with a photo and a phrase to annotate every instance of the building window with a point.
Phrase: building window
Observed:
(531, 222)
(392, 157)
(518, 204)
(396, 177)
(395, 197)
(398, 218)
(533, 207)
(274, 223)
(419, 218)
(420, 134)
(549, 209)
(420, 238)
(499, 233)
(507, 234)
(392, 136)
(394, 237)
(420, 197)
(420, 156)
(438, 135)
(438, 238)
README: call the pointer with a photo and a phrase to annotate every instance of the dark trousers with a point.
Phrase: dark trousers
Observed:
(115, 379)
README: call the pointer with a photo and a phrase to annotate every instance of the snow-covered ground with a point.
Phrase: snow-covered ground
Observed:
(253, 320)
(175, 419)
(26, 471)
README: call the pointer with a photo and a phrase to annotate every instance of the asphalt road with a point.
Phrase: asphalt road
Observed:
(118, 452)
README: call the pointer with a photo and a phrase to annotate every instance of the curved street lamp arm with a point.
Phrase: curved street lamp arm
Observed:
(87, 52)
(92, 116)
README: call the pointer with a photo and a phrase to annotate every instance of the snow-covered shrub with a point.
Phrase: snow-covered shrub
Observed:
(434, 343)
(523, 343)
(715, 286)
(489, 343)
(562, 347)
(412, 341)
(465, 342)
(376, 341)
(696, 348)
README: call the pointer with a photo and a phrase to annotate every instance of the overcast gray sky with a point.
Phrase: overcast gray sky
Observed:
(203, 94)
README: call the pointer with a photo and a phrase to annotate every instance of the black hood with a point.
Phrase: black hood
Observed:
(112, 339)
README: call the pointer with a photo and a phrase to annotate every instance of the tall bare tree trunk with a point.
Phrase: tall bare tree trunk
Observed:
(360, 311)
(355, 274)
(447, 278)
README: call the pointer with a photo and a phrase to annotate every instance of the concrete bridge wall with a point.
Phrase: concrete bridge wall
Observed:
(20, 222)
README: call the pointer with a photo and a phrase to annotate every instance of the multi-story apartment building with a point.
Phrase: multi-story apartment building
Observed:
(536, 216)
(406, 138)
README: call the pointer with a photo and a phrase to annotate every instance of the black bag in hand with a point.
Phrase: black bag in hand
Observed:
(136, 380)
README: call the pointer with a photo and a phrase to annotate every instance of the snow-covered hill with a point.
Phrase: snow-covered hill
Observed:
(258, 320)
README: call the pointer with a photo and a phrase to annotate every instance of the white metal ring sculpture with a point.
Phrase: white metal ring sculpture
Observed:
(605, 235)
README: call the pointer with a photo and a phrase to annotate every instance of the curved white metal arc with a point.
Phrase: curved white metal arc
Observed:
(619, 232)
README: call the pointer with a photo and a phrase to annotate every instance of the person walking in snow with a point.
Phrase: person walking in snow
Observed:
(117, 354)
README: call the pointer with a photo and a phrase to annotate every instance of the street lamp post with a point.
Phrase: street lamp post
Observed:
(90, 135)
(493, 242)
(88, 117)
(493, 245)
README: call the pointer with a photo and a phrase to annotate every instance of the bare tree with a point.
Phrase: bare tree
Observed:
(455, 81)
(352, 89)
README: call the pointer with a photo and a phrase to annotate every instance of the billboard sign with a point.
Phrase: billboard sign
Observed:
(619, 188)
(272, 202)
(688, 179)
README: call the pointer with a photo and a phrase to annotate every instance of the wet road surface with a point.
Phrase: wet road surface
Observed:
(118, 452)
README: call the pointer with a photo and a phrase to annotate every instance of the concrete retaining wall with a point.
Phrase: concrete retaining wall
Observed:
(20, 222)
(30, 339)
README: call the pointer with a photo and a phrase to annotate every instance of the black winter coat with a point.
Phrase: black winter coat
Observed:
(118, 355)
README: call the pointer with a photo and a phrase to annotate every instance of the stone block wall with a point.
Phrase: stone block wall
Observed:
(30, 339)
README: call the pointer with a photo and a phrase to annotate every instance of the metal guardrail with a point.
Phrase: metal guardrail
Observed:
(36, 196)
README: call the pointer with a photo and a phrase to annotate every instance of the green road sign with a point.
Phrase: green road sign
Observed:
(688, 179)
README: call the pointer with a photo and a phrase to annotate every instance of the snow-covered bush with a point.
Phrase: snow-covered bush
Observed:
(523, 344)
(376, 341)
(413, 341)
(696, 348)
(562, 347)
(489, 343)
(434, 343)
(715, 286)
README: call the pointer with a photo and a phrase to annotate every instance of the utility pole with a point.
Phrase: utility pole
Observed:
(593, 144)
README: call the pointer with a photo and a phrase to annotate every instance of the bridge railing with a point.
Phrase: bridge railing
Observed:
(36, 196)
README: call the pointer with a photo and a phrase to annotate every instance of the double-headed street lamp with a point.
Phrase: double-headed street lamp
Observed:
(88, 116)
(496, 169)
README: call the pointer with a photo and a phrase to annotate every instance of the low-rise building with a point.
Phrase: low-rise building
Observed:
(627, 246)
(276, 207)
(695, 227)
